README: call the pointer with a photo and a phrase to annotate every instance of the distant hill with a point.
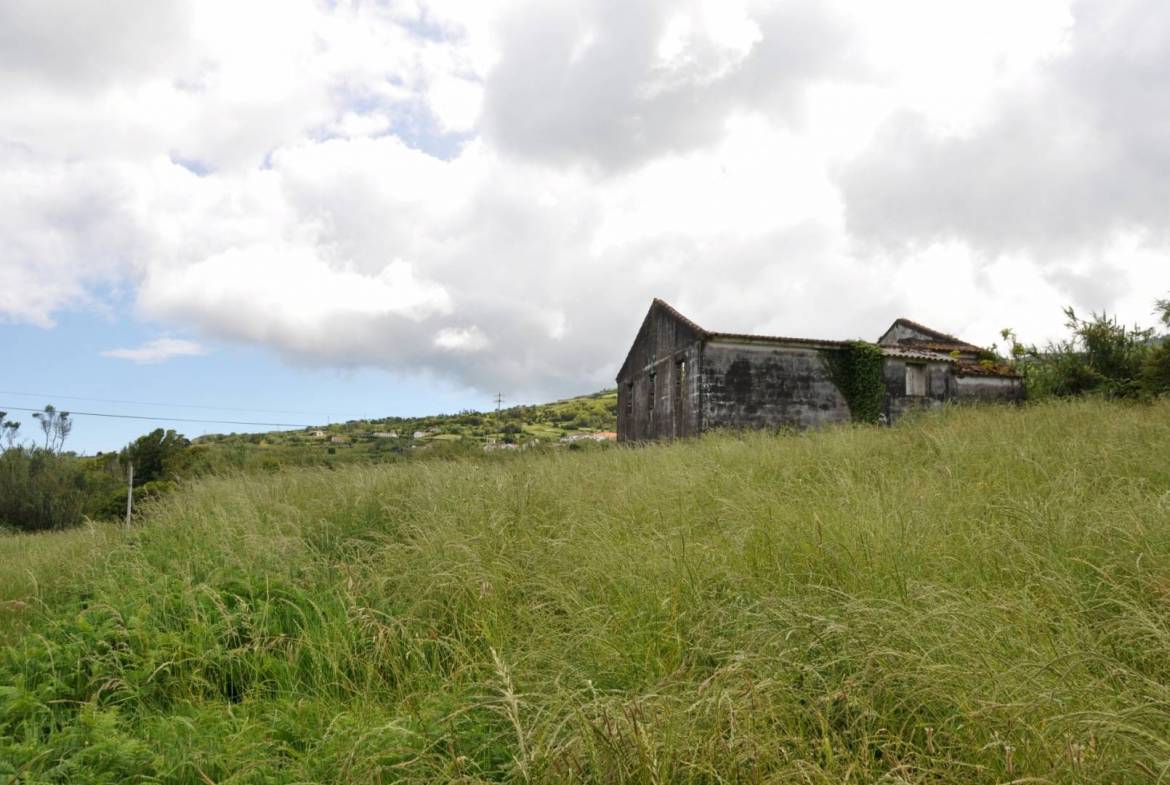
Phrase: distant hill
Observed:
(567, 422)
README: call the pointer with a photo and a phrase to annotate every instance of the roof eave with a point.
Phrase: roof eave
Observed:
(774, 340)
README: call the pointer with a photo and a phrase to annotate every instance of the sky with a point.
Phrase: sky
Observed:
(290, 211)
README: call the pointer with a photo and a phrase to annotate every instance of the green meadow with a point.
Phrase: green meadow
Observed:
(980, 595)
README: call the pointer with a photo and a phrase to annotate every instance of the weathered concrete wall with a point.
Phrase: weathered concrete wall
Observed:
(658, 389)
(988, 388)
(748, 385)
(944, 382)
(939, 378)
(679, 380)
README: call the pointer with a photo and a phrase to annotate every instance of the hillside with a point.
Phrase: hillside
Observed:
(973, 596)
(560, 422)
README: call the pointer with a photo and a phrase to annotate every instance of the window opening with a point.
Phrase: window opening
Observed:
(916, 380)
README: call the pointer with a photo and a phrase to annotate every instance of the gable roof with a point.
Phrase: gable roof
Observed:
(937, 349)
(741, 337)
(936, 340)
(659, 305)
(938, 335)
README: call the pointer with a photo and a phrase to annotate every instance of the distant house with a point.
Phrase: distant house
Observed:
(338, 439)
(679, 379)
(385, 434)
(423, 434)
(318, 434)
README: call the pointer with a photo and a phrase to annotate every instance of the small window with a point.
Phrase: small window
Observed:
(629, 398)
(680, 383)
(916, 380)
(650, 401)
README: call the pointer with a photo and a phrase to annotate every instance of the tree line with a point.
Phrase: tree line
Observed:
(42, 486)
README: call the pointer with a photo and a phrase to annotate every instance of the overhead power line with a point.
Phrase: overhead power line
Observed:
(164, 419)
(50, 397)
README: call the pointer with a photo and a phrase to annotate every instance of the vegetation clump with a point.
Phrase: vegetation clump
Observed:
(856, 370)
(977, 596)
(41, 486)
(1101, 356)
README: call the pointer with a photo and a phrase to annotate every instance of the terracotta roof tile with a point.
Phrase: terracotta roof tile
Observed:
(978, 369)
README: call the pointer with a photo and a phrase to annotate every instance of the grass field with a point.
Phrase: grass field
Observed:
(978, 596)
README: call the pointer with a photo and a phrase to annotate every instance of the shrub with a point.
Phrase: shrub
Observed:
(40, 489)
(1102, 356)
(156, 455)
(1156, 370)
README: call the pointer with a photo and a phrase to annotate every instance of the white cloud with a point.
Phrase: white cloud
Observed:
(456, 103)
(1062, 165)
(157, 351)
(593, 83)
(491, 192)
(461, 339)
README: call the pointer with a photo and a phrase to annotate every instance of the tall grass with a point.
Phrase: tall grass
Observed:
(979, 596)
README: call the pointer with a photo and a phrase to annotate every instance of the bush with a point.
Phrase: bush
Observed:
(40, 489)
(1102, 357)
(156, 455)
(1156, 371)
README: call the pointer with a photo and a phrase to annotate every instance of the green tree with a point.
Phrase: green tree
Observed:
(56, 425)
(155, 455)
(1156, 372)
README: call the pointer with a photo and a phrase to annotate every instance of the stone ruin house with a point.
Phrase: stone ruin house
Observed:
(680, 379)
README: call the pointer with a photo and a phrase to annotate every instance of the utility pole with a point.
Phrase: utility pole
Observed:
(129, 494)
(499, 401)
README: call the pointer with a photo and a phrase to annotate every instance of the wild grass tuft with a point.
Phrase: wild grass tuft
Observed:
(979, 596)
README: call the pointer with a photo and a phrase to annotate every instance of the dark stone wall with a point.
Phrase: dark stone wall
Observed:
(767, 386)
(658, 386)
(944, 383)
(677, 381)
(938, 387)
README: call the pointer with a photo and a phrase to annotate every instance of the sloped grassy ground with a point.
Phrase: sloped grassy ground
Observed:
(981, 596)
